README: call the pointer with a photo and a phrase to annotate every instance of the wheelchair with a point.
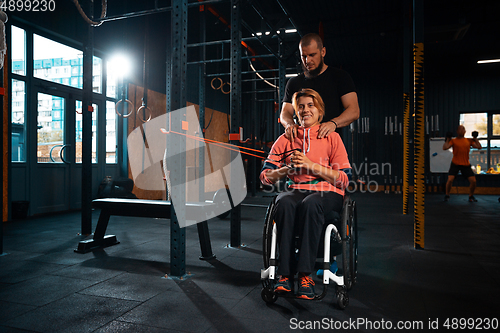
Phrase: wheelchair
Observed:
(340, 231)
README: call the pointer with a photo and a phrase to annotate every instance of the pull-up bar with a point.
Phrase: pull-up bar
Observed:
(155, 11)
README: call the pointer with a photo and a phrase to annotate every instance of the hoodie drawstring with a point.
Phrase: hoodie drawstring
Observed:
(308, 141)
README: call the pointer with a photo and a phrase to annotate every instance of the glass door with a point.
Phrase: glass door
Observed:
(52, 168)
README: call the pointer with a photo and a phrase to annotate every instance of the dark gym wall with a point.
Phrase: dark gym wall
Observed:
(461, 87)
(454, 83)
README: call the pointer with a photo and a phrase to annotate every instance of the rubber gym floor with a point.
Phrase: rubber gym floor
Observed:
(453, 283)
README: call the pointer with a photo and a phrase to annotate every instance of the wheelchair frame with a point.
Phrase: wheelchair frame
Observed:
(347, 236)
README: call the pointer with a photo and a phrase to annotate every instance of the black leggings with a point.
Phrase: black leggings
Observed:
(303, 213)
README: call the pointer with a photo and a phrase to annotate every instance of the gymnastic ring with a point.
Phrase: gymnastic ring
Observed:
(124, 115)
(228, 91)
(146, 108)
(212, 83)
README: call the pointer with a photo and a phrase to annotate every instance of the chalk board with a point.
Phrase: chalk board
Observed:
(439, 159)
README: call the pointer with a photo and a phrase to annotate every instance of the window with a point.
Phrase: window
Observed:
(97, 75)
(61, 64)
(48, 58)
(18, 148)
(50, 132)
(111, 132)
(487, 124)
(111, 82)
(496, 124)
(18, 51)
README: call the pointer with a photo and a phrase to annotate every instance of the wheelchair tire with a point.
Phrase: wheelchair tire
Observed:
(347, 246)
(354, 243)
(342, 297)
(267, 233)
(268, 295)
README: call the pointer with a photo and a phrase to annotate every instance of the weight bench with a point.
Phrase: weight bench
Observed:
(144, 208)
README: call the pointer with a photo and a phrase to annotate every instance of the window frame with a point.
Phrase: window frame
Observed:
(489, 135)
(32, 83)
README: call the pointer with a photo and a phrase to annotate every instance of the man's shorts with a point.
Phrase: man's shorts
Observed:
(466, 170)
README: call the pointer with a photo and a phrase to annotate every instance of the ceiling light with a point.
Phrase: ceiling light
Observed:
(120, 65)
(488, 61)
(290, 31)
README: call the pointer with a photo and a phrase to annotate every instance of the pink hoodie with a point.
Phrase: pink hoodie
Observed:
(328, 152)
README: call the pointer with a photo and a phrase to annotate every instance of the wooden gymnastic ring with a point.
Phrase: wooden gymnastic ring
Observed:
(228, 91)
(124, 115)
(145, 109)
(212, 83)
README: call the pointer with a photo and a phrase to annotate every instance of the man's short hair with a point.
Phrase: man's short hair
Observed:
(307, 39)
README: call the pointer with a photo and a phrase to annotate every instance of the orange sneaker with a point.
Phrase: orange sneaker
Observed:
(284, 285)
(306, 287)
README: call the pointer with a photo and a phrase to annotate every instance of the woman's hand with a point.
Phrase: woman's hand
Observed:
(300, 160)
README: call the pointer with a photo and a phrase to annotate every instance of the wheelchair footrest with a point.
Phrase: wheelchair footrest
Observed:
(328, 275)
(268, 273)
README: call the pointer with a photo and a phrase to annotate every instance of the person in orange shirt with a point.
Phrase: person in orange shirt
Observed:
(317, 169)
(460, 162)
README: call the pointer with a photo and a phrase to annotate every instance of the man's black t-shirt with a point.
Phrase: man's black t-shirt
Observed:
(332, 84)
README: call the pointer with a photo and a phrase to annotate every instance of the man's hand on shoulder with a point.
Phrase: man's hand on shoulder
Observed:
(291, 132)
(325, 129)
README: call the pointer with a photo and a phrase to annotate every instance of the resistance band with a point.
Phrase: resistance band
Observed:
(236, 148)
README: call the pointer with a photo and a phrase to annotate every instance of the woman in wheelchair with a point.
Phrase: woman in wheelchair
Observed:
(318, 174)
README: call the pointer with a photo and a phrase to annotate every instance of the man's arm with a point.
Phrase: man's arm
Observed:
(286, 119)
(447, 144)
(476, 144)
(350, 114)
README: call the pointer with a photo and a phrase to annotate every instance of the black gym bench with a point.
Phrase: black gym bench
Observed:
(146, 208)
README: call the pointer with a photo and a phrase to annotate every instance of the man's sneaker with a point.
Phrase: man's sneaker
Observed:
(472, 199)
(306, 287)
(446, 197)
(284, 285)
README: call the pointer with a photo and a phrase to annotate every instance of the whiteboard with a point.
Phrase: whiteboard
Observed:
(439, 159)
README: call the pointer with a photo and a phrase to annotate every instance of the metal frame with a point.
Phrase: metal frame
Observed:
(178, 69)
(235, 109)
(88, 53)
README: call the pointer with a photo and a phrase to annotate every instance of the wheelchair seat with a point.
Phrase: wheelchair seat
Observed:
(332, 217)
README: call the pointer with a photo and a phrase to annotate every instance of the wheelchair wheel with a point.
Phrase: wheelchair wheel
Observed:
(267, 234)
(347, 243)
(353, 246)
(268, 295)
(342, 297)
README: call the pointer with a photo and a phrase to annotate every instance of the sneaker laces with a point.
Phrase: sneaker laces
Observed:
(306, 281)
(283, 279)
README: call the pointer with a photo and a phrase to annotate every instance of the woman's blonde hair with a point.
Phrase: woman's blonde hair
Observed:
(317, 100)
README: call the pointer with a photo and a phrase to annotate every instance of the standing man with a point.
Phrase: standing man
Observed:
(334, 85)
(460, 162)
